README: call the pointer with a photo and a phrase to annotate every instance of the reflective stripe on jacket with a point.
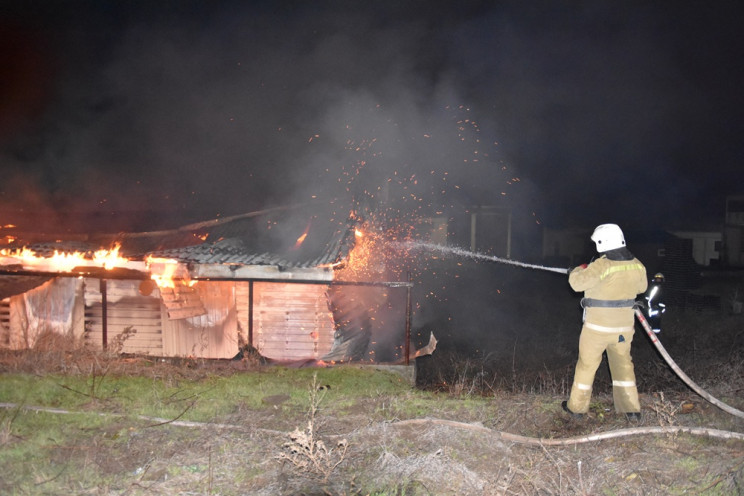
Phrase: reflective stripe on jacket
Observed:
(606, 279)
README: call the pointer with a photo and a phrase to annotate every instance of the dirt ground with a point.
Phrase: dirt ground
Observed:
(471, 456)
(379, 446)
(491, 423)
(433, 458)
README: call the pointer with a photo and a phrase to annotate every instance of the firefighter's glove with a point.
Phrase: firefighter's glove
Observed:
(582, 266)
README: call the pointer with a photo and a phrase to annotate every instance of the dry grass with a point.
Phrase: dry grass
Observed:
(352, 444)
(708, 346)
(306, 451)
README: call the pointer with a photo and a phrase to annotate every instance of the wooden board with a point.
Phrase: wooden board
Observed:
(126, 309)
(291, 321)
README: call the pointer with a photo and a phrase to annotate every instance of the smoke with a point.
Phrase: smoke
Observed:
(156, 114)
(195, 110)
(236, 113)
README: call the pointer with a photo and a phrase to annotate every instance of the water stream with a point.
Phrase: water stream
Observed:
(460, 252)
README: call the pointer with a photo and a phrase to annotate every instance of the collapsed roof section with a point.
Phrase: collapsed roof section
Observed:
(320, 317)
(297, 242)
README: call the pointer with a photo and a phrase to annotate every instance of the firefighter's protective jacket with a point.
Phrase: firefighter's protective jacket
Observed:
(606, 283)
(610, 285)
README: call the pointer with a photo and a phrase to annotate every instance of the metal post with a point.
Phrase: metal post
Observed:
(407, 346)
(104, 314)
(250, 313)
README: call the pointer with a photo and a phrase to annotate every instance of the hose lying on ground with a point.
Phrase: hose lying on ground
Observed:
(569, 441)
(504, 436)
(680, 373)
(479, 256)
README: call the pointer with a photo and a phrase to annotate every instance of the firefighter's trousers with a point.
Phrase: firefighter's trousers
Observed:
(592, 344)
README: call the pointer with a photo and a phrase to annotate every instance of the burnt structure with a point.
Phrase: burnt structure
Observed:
(263, 279)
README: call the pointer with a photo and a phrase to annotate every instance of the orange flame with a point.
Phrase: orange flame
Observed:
(164, 272)
(302, 237)
(300, 240)
(62, 261)
(109, 259)
(364, 260)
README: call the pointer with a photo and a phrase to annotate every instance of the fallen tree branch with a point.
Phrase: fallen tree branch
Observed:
(160, 422)
(733, 470)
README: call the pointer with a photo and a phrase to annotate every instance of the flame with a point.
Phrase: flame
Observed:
(364, 260)
(376, 254)
(65, 262)
(61, 261)
(109, 259)
(300, 240)
(165, 270)
(302, 236)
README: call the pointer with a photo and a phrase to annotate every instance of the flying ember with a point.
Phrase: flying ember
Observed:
(302, 237)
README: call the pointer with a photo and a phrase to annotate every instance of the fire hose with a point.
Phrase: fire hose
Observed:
(639, 315)
(670, 361)
(663, 352)
(680, 373)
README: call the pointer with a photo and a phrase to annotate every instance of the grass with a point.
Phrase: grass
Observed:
(90, 446)
(119, 453)
(198, 400)
(46, 453)
(36, 455)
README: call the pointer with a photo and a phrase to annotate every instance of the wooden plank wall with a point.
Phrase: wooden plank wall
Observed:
(182, 302)
(241, 303)
(212, 335)
(291, 321)
(5, 323)
(17, 333)
(126, 307)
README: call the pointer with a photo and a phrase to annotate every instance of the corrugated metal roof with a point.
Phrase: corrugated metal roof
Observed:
(324, 248)
(292, 237)
(287, 237)
(47, 249)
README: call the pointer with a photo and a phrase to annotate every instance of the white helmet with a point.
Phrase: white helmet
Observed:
(608, 237)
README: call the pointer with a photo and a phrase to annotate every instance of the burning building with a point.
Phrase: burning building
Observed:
(284, 282)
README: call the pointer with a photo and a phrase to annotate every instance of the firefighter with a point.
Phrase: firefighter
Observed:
(610, 285)
(654, 304)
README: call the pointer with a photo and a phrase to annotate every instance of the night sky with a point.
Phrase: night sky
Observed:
(572, 113)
